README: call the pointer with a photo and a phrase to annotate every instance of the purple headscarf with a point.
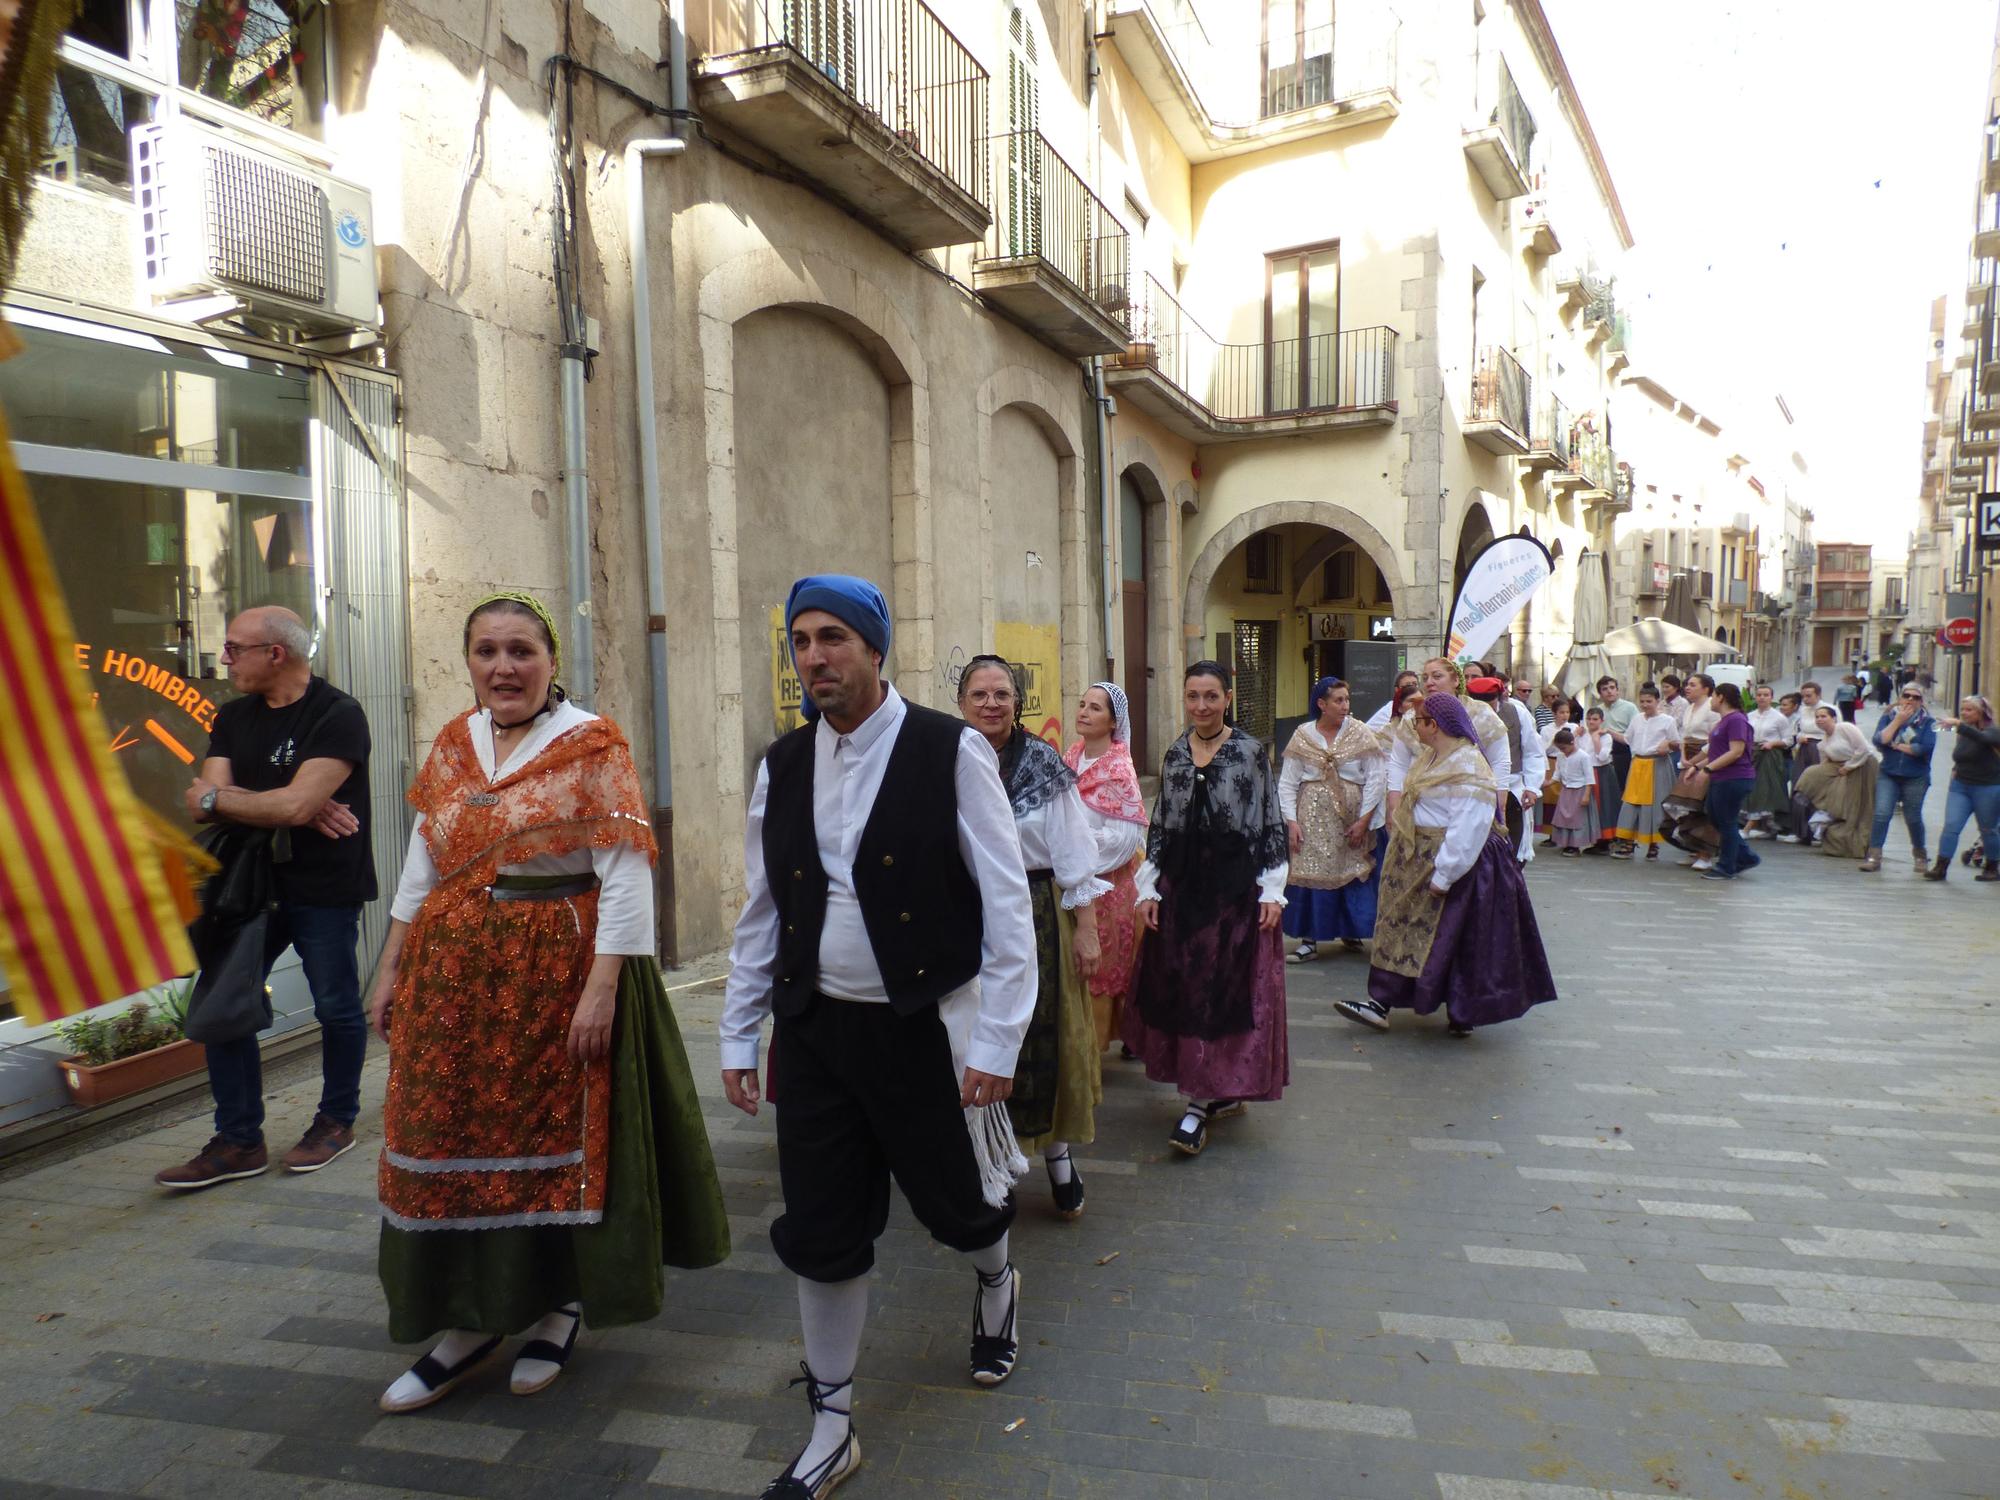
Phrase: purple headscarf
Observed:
(1450, 716)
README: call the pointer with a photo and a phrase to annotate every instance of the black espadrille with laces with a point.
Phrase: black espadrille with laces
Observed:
(993, 1354)
(821, 1479)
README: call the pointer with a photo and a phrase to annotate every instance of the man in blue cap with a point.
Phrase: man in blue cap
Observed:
(887, 924)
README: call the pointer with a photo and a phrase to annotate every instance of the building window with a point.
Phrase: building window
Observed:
(1263, 560)
(1298, 54)
(1337, 581)
(124, 63)
(1302, 328)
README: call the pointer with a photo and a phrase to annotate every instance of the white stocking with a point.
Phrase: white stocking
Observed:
(832, 1315)
(994, 1300)
(1056, 1154)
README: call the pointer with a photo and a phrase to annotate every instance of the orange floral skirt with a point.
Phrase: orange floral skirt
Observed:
(487, 1122)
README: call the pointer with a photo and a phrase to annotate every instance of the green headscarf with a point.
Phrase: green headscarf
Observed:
(535, 607)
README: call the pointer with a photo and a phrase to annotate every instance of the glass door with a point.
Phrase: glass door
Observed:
(1302, 329)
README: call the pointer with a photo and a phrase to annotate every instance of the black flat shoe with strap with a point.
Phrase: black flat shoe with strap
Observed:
(821, 1479)
(1068, 1195)
(993, 1354)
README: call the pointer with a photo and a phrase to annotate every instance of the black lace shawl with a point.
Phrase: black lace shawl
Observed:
(1034, 772)
(1216, 828)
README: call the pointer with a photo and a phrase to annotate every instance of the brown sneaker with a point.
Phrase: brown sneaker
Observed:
(324, 1141)
(221, 1160)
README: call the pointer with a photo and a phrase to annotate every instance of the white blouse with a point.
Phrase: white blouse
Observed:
(1654, 736)
(1575, 769)
(1549, 733)
(1597, 747)
(1117, 839)
(1771, 725)
(1700, 721)
(624, 875)
(1466, 816)
(1368, 772)
(1057, 836)
(1403, 752)
(1845, 742)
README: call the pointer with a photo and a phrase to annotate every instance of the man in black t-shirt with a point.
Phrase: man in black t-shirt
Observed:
(291, 753)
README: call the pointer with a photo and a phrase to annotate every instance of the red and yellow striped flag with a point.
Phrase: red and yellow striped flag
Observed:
(85, 911)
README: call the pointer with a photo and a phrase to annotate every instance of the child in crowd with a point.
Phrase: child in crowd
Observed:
(1649, 779)
(1576, 823)
(1596, 742)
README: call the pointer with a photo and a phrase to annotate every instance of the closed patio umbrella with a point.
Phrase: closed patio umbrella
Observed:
(1653, 636)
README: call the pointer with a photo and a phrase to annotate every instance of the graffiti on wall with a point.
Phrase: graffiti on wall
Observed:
(1036, 654)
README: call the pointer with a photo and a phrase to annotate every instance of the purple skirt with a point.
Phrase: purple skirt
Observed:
(1486, 963)
(1173, 963)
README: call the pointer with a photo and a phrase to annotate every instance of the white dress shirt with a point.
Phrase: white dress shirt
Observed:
(1057, 837)
(1379, 720)
(1575, 770)
(1676, 708)
(1466, 816)
(1527, 784)
(1658, 735)
(1369, 774)
(1771, 725)
(847, 774)
(1700, 721)
(624, 875)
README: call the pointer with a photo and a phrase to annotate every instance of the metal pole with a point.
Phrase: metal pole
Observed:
(582, 684)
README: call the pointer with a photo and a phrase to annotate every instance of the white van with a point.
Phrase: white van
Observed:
(1737, 672)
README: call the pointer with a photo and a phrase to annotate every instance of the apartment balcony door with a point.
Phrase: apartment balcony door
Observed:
(1302, 328)
(1022, 215)
(1298, 55)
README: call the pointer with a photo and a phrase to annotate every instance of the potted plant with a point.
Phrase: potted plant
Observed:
(114, 1056)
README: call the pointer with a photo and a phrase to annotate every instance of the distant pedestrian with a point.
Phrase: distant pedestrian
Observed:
(1732, 773)
(1975, 788)
(290, 755)
(1638, 822)
(1330, 790)
(1108, 782)
(1905, 740)
(1847, 697)
(1771, 796)
(1456, 928)
(1545, 705)
(1208, 1005)
(1574, 820)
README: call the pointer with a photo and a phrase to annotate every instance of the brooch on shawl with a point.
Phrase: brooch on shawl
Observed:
(481, 799)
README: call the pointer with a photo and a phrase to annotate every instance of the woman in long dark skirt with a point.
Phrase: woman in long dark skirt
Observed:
(1207, 1011)
(1454, 926)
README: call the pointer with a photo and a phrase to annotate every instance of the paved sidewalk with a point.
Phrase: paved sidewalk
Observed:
(1724, 1222)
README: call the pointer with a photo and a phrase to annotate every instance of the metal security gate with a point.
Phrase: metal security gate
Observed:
(1257, 678)
(365, 637)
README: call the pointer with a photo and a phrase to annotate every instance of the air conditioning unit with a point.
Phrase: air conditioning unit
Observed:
(295, 246)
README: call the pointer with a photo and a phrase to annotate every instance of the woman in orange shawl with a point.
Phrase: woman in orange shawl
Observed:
(1109, 785)
(544, 1152)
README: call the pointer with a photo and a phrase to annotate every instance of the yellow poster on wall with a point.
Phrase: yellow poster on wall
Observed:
(787, 696)
(1036, 653)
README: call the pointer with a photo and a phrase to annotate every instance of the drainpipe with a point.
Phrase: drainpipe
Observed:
(646, 414)
(1106, 491)
(582, 685)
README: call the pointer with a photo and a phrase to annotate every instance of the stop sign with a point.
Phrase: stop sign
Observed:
(1959, 632)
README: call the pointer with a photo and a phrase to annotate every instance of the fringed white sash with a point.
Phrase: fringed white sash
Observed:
(1001, 1163)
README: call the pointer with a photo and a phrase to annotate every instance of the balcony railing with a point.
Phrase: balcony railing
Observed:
(895, 58)
(1315, 65)
(1042, 210)
(1986, 226)
(1500, 392)
(1334, 371)
(1552, 434)
(1594, 461)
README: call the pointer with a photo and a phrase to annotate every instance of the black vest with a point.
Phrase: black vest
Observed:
(918, 901)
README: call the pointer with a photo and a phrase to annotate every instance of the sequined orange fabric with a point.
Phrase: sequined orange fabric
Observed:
(487, 1121)
(582, 792)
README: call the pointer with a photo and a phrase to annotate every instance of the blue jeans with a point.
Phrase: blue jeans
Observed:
(1962, 803)
(1910, 791)
(1725, 809)
(325, 937)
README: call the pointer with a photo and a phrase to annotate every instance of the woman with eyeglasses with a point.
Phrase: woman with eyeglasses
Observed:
(1454, 926)
(1975, 788)
(1905, 740)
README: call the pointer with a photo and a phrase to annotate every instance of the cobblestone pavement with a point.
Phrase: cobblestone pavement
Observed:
(1724, 1222)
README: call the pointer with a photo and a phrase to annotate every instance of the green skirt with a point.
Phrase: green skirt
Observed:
(663, 1207)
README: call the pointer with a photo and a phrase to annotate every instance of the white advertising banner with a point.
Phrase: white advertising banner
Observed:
(1498, 586)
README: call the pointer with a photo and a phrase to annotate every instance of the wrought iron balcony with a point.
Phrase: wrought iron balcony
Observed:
(1209, 391)
(1549, 446)
(1986, 227)
(1497, 418)
(1498, 147)
(1055, 258)
(1239, 88)
(875, 100)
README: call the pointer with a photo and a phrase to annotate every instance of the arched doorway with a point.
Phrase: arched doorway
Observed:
(1288, 604)
(1474, 532)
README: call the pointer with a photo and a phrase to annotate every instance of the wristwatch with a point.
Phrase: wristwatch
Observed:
(207, 801)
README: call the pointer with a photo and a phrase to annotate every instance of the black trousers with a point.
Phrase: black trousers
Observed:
(864, 1095)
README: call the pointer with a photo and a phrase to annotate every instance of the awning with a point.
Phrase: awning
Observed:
(1653, 636)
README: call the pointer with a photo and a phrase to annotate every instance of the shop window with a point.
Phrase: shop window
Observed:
(266, 57)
